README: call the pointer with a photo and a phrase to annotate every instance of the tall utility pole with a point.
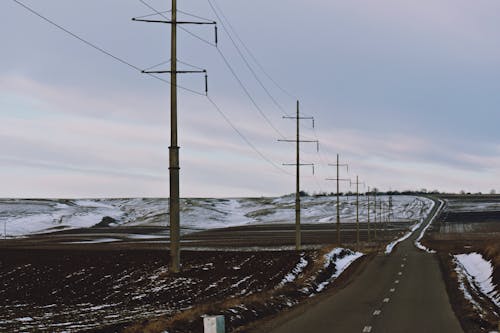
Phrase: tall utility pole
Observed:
(338, 180)
(357, 208)
(298, 240)
(174, 198)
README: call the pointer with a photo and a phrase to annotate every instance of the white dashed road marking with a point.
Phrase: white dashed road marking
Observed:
(402, 265)
(397, 281)
(386, 300)
(400, 273)
(377, 312)
(392, 290)
(367, 329)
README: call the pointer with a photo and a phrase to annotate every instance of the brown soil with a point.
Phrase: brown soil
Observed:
(133, 291)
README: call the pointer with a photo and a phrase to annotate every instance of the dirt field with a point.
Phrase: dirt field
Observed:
(117, 279)
(132, 291)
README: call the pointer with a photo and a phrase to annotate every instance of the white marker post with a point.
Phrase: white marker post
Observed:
(214, 324)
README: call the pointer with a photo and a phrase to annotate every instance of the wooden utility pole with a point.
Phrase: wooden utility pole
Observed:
(297, 165)
(174, 198)
(338, 180)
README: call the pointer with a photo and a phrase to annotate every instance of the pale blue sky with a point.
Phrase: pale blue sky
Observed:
(406, 92)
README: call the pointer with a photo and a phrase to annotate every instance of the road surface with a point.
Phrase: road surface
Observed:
(401, 292)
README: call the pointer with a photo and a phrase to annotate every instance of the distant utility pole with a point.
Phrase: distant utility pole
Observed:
(375, 215)
(390, 209)
(368, 198)
(338, 180)
(357, 208)
(174, 200)
(297, 172)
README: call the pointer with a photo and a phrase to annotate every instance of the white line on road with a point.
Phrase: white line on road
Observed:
(402, 265)
(367, 329)
(404, 259)
(377, 312)
(386, 300)
(397, 281)
(392, 290)
(400, 273)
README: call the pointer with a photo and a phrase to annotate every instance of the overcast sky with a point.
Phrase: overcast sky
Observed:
(406, 91)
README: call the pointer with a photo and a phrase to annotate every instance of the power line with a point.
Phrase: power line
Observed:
(275, 102)
(94, 46)
(248, 93)
(264, 157)
(219, 110)
(233, 72)
(247, 141)
(251, 53)
(197, 37)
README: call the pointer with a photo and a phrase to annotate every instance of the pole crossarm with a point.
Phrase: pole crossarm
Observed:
(300, 164)
(172, 22)
(340, 165)
(356, 183)
(182, 72)
(299, 141)
(300, 118)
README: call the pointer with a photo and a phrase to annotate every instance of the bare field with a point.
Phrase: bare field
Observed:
(133, 291)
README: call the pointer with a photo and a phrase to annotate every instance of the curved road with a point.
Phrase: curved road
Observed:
(400, 292)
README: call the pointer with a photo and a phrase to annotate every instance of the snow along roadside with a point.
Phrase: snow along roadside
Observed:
(417, 241)
(341, 263)
(392, 245)
(479, 273)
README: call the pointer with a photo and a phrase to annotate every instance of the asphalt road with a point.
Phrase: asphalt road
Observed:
(401, 292)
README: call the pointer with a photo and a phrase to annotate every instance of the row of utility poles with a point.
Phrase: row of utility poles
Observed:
(174, 200)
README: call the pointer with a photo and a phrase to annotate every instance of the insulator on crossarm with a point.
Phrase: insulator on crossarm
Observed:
(216, 37)
(206, 84)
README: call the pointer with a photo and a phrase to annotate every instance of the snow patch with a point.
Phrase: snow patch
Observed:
(299, 268)
(391, 246)
(422, 233)
(341, 263)
(479, 273)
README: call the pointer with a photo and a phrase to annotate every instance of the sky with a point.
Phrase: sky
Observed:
(405, 91)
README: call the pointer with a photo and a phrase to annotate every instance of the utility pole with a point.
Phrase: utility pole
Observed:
(375, 215)
(338, 180)
(389, 213)
(174, 198)
(357, 208)
(368, 198)
(297, 165)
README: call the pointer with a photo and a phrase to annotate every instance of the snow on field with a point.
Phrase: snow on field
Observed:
(21, 217)
(478, 273)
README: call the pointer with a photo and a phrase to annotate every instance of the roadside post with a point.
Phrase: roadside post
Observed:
(214, 324)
